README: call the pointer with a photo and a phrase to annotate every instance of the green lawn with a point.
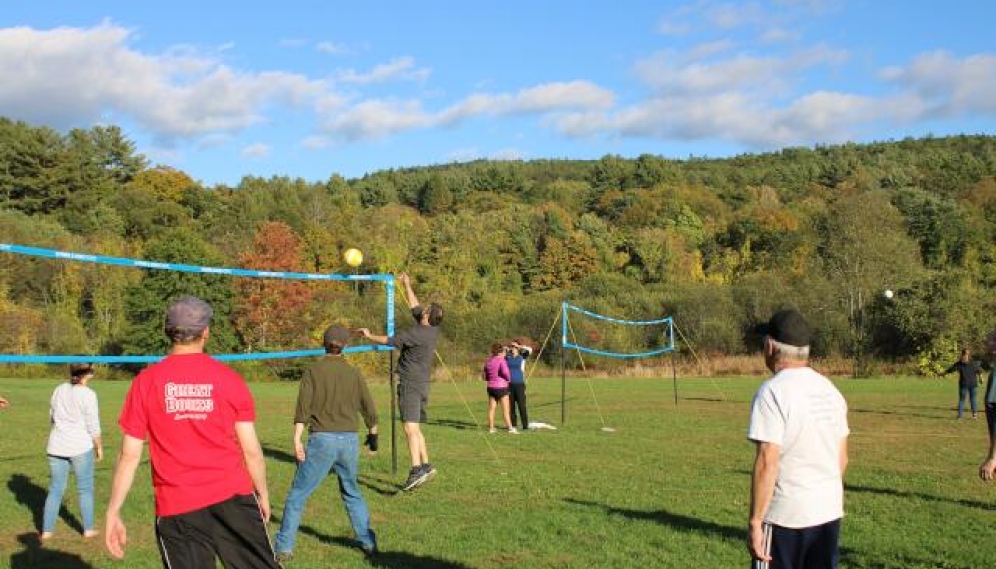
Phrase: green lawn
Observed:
(669, 488)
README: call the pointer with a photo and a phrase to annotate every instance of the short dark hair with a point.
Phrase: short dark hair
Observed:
(497, 348)
(435, 314)
(79, 371)
(183, 335)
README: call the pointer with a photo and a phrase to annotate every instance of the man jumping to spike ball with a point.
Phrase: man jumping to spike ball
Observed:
(418, 346)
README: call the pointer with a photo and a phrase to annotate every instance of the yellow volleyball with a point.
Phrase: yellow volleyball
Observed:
(353, 257)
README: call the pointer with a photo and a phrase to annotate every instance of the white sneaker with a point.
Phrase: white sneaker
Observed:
(492, 430)
(513, 431)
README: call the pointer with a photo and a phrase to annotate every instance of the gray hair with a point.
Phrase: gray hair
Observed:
(788, 352)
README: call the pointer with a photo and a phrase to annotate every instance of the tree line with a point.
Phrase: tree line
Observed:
(717, 243)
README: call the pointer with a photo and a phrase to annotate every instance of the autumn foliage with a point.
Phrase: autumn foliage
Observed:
(268, 312)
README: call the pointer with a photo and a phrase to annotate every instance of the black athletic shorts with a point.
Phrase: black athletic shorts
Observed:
(233, 530)
(497, 392)
(413, 401)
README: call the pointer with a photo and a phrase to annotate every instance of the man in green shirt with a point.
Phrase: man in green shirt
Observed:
(331, 396)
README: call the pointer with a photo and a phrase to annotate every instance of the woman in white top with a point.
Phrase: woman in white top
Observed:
(73, 443)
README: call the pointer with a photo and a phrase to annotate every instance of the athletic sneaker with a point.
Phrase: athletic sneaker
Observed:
(513, 431)
(415, 477)
(428, 471)
(492, 430)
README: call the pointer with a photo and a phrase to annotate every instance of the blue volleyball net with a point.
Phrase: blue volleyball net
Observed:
(614, 337)
(386, 279)
(592, 333)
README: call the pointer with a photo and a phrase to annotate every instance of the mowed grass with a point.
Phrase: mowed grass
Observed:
(669, 488)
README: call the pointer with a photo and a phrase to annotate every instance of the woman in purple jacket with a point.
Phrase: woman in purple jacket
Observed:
(497, 375)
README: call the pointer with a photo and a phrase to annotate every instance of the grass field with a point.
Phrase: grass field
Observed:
(668, 489)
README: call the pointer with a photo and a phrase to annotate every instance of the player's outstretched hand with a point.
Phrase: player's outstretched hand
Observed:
(987, 470)
(3, 403)
(115, 536)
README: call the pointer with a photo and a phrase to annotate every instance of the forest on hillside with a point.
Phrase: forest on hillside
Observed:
(716, 243)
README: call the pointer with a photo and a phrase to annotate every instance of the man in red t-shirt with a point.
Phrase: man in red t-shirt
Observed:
(197, 415)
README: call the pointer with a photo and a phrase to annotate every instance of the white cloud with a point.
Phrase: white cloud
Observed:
(256, 150)
(948, 86)
(779, 35)
(72, 76)
(508, 154)
(736, 15)
(464, 155)
(399, 68)
(315, 142)
(333, 48)
(474, 153)
(379, 118)
(673, 28)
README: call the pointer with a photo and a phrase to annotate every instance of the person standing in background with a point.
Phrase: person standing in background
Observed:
(515, 357)
(968, 380)
(496, 374)
(74, 443)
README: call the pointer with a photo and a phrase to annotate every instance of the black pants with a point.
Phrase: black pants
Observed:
(232, 531)
(517, 398)
(991, 418)
(803, 548)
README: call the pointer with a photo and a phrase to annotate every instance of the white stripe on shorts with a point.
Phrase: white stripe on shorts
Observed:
(766, 548)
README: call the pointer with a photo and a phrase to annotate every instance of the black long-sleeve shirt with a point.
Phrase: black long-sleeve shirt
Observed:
(968, 372)
(332, 395)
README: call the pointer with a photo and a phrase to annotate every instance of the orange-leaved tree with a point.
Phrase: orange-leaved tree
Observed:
(273, 313)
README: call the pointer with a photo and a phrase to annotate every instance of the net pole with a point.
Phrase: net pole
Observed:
(394, 417)
(563, 364)
(674, 375)
(674, 364)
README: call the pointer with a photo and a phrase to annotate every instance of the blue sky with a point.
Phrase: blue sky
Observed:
(308, 89)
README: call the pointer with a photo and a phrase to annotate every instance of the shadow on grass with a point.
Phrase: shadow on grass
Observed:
(385, 559)
(854, 559)
(676, 521)
(400, 559)
(380, 485)
(901, 414)
(452, 423)
(917, 495)
(34, 556)
(277, 454)
(32, 496)
(849, 557)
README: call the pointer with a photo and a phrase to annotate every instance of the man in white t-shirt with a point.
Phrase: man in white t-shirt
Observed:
(799, 423)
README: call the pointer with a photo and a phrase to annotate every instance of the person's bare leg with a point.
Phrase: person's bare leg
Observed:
(505, 412)
(416, 444)
(491, 413)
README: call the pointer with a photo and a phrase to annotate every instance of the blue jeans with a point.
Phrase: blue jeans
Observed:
(326, 452)
(59, 466)
(965, 393)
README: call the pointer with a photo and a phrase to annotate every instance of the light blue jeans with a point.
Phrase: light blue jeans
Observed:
(82, 466)
(325, 452)
(963, 394)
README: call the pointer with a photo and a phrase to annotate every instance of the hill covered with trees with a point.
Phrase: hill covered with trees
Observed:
(717, 243)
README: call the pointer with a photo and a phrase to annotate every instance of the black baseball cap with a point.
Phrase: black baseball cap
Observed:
(787, 327)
